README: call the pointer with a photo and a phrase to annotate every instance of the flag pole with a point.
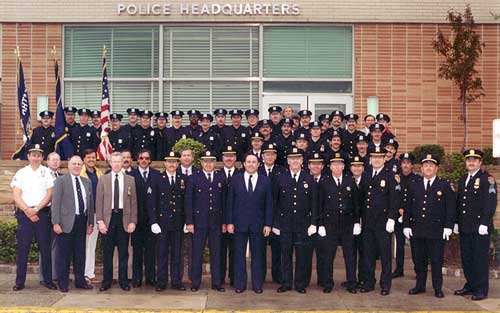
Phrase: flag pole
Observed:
(17, 53)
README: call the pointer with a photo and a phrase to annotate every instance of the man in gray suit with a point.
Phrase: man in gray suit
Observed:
(73, 218)
(116, 216)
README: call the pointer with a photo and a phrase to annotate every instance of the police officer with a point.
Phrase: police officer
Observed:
(284, 140)
(160, 137)
(82, 136)
(265, 129)
(318, 144)
(272, 170)
(337, 117)
(96, 127)
(325, 120)
(205, 203)
(32, 190)
(257, 141)
(295, 202)
(305, 120)
(376, 131)
(302, 142)
(194, 128)
(133, 116)
(252, 117)
(236, 135)
(392, 163)
(407, 179)
(207, 136)
(379, 215)
(166, 215)
(69, 114)
(143, 241)
(275, 115)
(177, 131)
(118, 137)
(335, 147)
(350, 134)
(384, 120)
(476, 205)
(220, 121)
(340, 218)
(429, 217)
(362, 148)
(143, 137)
(44, 134)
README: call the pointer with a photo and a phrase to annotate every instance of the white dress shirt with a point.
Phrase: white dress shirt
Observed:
(296, 177)
(211, 175)
(254, 179)
(188, 170)
(121, 183)
(426, 180)
(232, 169)
(471, 175)
(84, 193)
(268, 169)
(169, 176)
(338, 180)
(142, 170)
(33, 184)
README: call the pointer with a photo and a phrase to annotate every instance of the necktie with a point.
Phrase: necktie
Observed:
(316, 179)
(268, 172)
(229, 173)
(81, 204)
(116, 196)
(172, 182)
(428, 185)
(209, 178)
(295, 178)
(250, 185)
(145, 175)
(374, 174)
(469, 179)
(338, 182)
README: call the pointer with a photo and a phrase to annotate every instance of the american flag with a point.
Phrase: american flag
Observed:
(105, 149)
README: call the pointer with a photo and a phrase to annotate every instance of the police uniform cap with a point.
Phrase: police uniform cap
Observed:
(161, 115)
(46, 114)
(172, 155)
(295, 152)
(316, 157)
(473, 153)
(251, 112)
(377, 126)
(35, 147)
(96, 113)
(206, 116)
(430, 158)
(265, 122)
(357, 160)
(305, 113)
(116, 116)
(236, 112)
(146, 113)
(286, 121)
(269, 147)
(382, 116)
(352, 116)
(274, 109)
(177, 113)
(257, 136)
(361, 138)
(377, 151)
(70, 109)
(193, 113)
(228, 150)
(338, 113)
(207, 155)
(84, 111)
(323, 117)
(315, 124)
(220, 112)
(337, 156)
(392, 142)
(407, 156)
(133, 111)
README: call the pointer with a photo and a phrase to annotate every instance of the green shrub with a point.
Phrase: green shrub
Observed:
(421, 151)
(194, 145)
(453, 167)
(8, 243)
(495, 253)
(488, 156)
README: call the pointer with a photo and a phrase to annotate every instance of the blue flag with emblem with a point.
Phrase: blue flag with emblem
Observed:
(63, 144)
(24, 113)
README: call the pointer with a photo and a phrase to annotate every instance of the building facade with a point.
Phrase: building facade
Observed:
(320, 55)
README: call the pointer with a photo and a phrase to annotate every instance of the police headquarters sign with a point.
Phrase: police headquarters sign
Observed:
(206, 9)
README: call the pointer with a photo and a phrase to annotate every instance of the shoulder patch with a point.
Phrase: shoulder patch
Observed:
(397, 178)
(491, 180)
(150, 191)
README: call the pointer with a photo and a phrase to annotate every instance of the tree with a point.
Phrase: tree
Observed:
(461, 51)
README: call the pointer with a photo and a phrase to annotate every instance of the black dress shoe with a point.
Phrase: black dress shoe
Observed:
(327, 289)
(218, 288)
(239, 290)
(301, 290)
(479, 297)
(438, 293)
(179, 287)
(352, 289)
(257, 291)
(416, 291)
(18, 287)
(104, 287)
(365, 289)
(150, 282)
(194, 289)
(50, 285)
(283, 289)
(463, 292)
(125, 287)
(160, 288)
(86, 286)
(384, 292)
(397, 274)
(136, 283)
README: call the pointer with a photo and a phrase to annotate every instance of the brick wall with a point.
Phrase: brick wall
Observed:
(396, 62)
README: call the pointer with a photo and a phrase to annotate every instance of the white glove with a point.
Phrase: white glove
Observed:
(322, 231)
(407, 232)
(155, 229)
(400, 220)
(455, 229)
(483, 230)
(447, 233)
(356, 230)
(389, 226)
(311, 230)
(276, 231)
(185, 230)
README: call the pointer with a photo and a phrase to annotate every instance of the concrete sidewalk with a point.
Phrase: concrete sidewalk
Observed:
(147, 298)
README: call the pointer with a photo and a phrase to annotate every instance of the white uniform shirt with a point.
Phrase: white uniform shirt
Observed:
(33, 184)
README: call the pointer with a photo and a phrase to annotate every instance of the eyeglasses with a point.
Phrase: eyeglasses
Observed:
(144, 158)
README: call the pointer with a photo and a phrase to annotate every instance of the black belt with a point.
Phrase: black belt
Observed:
(116, 211)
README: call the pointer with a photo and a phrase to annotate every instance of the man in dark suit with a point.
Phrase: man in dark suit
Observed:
(73, 217)
(295, 207)
(166, 216)
(143, 241)
(477, 202)
(204, 205)
(116, 216)
(249, 216)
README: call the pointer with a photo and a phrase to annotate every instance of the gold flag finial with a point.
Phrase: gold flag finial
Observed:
(17, 52)
(54, 52)
(104, 51)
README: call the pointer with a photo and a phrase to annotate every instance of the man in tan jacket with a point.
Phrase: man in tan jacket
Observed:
(116, 215)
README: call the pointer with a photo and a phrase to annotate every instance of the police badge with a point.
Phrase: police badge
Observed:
(152, 133)
(382, 183)
(397, 178)
(491, 181)
(243, 135)
(348, 188)
(182, 184)
(476, 183)
(306, 185)
(439, 193)
(149, 190)
(87, 134)
(219, 185)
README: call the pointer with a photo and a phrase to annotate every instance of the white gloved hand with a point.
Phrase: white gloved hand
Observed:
(356, 230)
(155, 229)
(447, 233)
(322, 231)
(483, 230)
(185, 230)
(407, 232)
(455, 229)
(311, 230)
(389, 226)
(276, 231)
(400, 220)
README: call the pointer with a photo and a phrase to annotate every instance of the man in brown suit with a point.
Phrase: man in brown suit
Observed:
(116, 215)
